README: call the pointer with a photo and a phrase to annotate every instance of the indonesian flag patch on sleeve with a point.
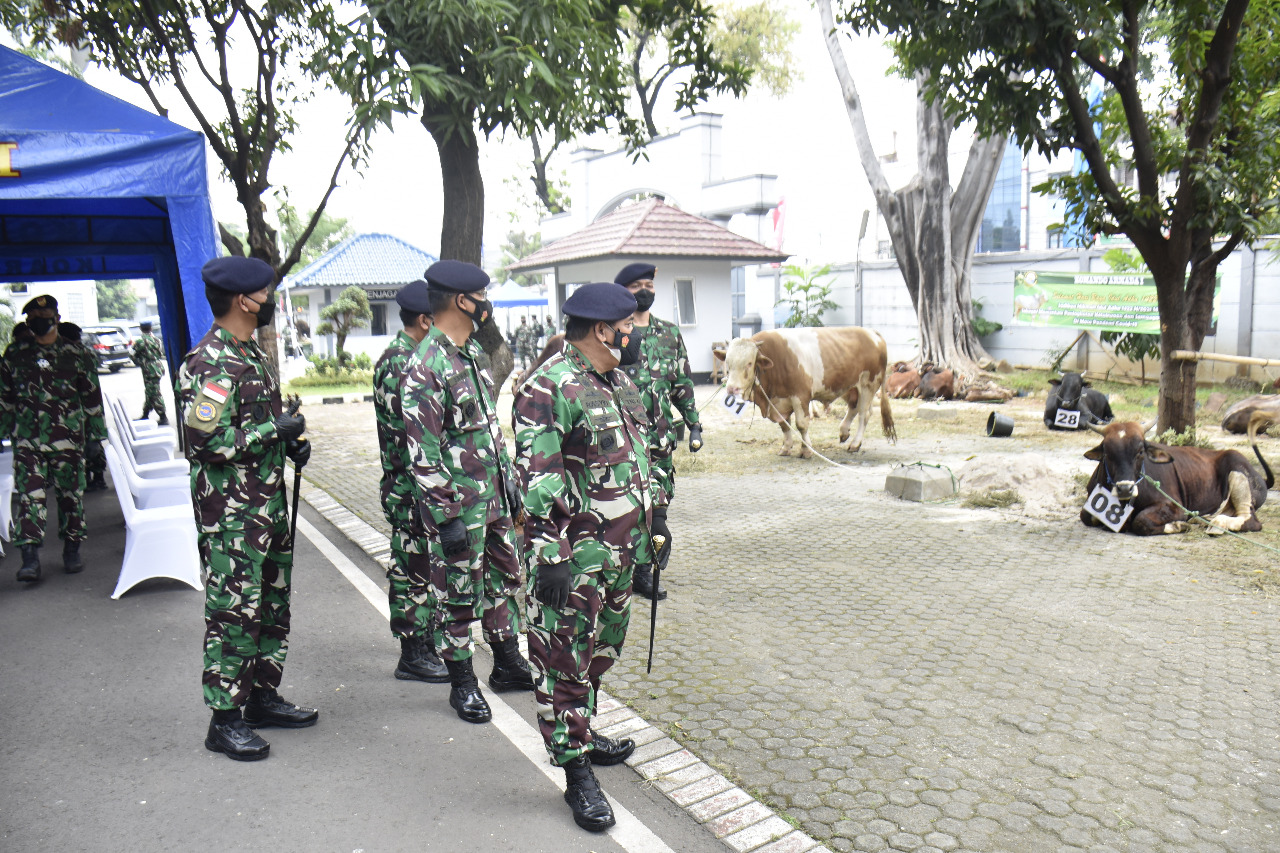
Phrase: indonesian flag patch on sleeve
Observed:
(206, 409)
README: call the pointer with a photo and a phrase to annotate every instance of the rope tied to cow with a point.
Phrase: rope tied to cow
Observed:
(1192, 515)
(712, 398)
(800, 435)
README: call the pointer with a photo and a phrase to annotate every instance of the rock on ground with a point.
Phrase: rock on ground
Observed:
(1047, 486)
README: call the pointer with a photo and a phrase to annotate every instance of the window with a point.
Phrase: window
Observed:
(1053, 237)
(378, 324)
(738, 291)
(686, 312)
(1001, 220)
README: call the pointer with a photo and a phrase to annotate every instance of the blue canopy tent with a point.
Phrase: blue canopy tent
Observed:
(512, 295)
(94, 188)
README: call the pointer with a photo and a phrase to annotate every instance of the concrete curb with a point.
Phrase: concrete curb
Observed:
(730, 813)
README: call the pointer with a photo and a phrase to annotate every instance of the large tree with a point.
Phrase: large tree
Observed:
(934, 228)
(1179, 86)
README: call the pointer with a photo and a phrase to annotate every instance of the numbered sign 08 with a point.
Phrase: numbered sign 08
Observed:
(735, 406)
(1067, 419)
(1107, 508)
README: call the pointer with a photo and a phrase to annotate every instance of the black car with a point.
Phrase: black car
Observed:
(110, 348)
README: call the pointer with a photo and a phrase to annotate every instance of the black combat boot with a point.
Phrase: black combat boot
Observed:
(30, 571)
(164, 419)
(229, 735)
(266, 707)
(146, 410)
(642, 584)
(71, 557)
(97, 483)
(510, 669)
(591, 810)
(419, 661)
(606, 751)
(465, 697)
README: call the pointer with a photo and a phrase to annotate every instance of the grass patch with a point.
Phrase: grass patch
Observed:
(993, 499)
(312, 390)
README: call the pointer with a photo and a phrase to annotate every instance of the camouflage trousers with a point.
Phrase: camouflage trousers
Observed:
(413, 606)
(154, 399)
(33, 470)
(483, 584)
(246, 611)
(662, 470)
(571, 649)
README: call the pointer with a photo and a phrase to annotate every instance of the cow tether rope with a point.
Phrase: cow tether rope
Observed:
(1192, 515)
(800, 434)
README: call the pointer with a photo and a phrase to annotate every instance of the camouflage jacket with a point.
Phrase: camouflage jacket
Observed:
(582, 454)
(50, 399)
(149, 355)
(526, 337)
(662, 375)
(458, 455)
(398, 491)
(229, 397)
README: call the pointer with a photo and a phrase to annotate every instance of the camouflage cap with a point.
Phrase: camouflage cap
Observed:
(600, 301)
(635, 272)
(39, 303)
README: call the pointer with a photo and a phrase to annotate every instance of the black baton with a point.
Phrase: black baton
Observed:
(295, 403)
(658, 543)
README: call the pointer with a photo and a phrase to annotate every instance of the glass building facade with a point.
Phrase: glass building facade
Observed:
(1001, 229)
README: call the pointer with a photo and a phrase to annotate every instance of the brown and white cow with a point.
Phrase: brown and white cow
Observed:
(781, 371)
(1219, 485)
(903, 381)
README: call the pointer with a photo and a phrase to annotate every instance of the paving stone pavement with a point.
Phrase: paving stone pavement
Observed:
(899, 676)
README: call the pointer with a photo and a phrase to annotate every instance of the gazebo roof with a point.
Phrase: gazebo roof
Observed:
(649, 229)
(366, 260)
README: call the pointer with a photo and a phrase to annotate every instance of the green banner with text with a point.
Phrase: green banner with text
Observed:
(1109, 302)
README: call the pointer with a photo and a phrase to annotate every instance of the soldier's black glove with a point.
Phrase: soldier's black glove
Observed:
(453, 537)
(514, 499)
(299, 452)
(658, 527)
(695, 438)
(552, 584)
(289, 427)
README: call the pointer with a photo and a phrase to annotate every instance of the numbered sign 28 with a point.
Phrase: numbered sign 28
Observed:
(735, 406)
(1067, 419)
(1107, 508)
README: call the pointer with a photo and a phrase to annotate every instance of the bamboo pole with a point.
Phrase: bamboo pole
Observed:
(1192, 355)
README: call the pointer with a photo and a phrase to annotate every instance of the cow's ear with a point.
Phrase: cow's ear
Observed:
(1094, 453)
(718, 353)
(764, 362)
(1084, 383)
(1055, 382)
(1158, 454)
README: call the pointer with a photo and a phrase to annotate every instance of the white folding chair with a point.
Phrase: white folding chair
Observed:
(158, 437)
(160, 542)
(6, 494)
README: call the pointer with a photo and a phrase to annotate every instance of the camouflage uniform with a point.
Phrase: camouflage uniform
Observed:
(524, 343)
(460, 463)
(149, 355)
(228, 396)
(581, 451)
(662, 375)
(408, 576)
(50, 406)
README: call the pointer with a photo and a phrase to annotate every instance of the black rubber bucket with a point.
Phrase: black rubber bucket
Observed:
(999, 426)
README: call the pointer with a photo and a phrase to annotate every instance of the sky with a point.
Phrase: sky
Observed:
(804, 138)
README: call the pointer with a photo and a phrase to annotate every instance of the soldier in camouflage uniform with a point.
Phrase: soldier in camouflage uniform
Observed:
(50, 407)
(466, 488)
(148, 354)
(582, 454)
(662, 375)
(408, 577)
(95, 458)
(237, 437)
(524, 343)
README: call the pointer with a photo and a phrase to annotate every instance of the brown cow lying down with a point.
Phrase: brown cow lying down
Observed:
(1236, 419)
(936, 384)
(986, 391)
(782, 370)
(903, 381)
(1220, 485)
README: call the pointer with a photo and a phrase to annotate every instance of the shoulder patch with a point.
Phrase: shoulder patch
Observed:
(206, 409)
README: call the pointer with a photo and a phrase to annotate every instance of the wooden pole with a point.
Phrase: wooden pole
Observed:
(1192, 355)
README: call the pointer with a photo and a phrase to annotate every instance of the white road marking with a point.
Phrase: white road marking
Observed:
(630, 834)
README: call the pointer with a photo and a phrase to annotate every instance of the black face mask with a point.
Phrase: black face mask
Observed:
(481, 313)
(266, 310)
(644, 299)
(625, 346)
(40, 326)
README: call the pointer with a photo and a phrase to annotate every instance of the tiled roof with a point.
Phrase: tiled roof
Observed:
(367, 260)
(649, 229)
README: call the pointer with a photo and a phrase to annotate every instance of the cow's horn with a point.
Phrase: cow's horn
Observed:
(1099, 430)
(1149, 426)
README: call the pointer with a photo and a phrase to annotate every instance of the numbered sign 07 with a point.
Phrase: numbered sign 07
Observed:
(735, 406)
(1067, 419)
(1107, 508)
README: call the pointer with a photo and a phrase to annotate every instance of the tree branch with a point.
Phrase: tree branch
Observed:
(295, 251)
(1144, 158)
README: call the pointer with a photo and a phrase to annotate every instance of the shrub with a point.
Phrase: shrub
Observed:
(329, 378)
(993, 499)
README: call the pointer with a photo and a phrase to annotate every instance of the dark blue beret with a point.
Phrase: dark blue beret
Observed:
(145, 325)
(44, 301)
(413, 297)
(456, 277)
(238, 275)
(635, 272)
(601, 301)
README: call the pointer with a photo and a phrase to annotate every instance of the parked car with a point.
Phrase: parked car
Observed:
(108, 345)
(128, 328)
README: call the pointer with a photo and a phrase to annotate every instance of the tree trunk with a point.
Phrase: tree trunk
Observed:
(462, 231)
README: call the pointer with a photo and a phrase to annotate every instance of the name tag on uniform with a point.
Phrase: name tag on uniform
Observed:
(1067, 419)
(1107, 508)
